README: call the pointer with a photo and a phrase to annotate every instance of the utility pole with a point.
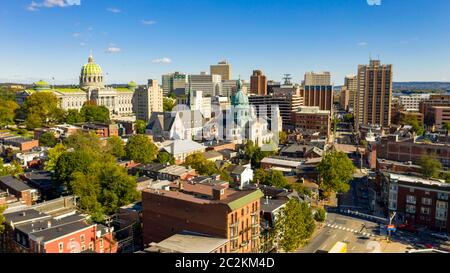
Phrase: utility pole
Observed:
(390, 223)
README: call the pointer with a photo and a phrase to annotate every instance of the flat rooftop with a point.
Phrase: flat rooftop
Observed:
(185, 243)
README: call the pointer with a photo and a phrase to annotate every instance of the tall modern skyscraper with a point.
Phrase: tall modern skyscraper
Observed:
(148, 99)
(317, 90)
(258, 83)
(374, 94)
(211, 85)
(317, 78)
(351, 85)
(223, 69)
(174, 81)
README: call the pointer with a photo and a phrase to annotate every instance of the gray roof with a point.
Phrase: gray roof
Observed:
(14, 183)
(39, 177)
(186, 243)
(161, 121)
(294, 148)
(62, 230)
(183, 146)
(271, 205)
(43, 224)
(25, 216)
(237, 169)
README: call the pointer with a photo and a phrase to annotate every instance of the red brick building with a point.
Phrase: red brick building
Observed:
(312, 119)
(32, 231)
(405, 149)
(417, 201)
(207, 208)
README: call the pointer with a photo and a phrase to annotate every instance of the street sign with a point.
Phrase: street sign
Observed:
(391, 226)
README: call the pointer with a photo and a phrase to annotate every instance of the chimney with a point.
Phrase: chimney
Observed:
(218, 193)
(49, 224)
(24, 213)
(267, 200)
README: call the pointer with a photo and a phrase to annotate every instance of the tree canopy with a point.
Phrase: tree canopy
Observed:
(254, 154)
(430, 166)
(294, 225)
(12, 169)
(116, 147)
(47, 139)
(320, 215)
(417, 127)
(83, 140)
(270, 177)
(201, 164)
(73, 116)
(336, 170)
(140, 126)
(168, 104)
(94, 113)
(2, 219)
(141, 149)
(42, 109)
(165, 157)
(8, 110)
(53, 156)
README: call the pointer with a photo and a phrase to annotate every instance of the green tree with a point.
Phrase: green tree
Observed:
(283, 136)
(8, 110)
(447, 127)
(94, 113)
(203, 166)
(430, 166)
(2, 219)
(71, 162)
(83, 140)
(13, 168)
(300, 189)
(53, 155)
(168, 104)
(41, 109)
(165, 157)
(294, 225)
(73, 116)
(116, 147)
(47, 139)
(271, 177)
(140, 127)
(141, 149)
(336, 170)
(88, 187)
(320, 215)
(254, 154)
(417, 127)
(348, 118)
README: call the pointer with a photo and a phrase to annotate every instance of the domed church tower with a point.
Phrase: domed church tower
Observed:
(91, 75)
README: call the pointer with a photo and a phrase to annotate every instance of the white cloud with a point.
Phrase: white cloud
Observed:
(163, 60)
(148, 22)
(362, 43)
(76, 35)
(113, 50)
(114, 10)
(34, 6)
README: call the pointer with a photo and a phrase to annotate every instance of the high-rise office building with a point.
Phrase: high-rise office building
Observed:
(211, 85)
(258, 83)
(223, 69)
(374, 94)
(229, 87)
(351, 85)
(317, 90)
(317, 78)
(148, 99)
(173, 82)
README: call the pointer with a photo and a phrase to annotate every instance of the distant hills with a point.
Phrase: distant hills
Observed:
(399, 86)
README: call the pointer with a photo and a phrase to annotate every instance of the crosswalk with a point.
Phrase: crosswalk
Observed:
(350, 230)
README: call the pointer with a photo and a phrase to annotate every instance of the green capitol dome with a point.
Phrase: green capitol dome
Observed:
(41, 85)
(91, 74)
(132, 84)
(91, 68)
(239, 98)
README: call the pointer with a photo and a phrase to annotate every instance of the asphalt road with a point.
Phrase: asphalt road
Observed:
(358, 234)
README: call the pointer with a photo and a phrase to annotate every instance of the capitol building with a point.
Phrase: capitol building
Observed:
(120, 101)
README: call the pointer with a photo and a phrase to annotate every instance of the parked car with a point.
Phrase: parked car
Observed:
(407, 227)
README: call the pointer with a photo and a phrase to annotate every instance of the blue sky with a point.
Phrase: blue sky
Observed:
(141, 39)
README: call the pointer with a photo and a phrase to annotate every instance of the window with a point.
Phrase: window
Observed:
(61, 247)
(101, 242)
(82, 238)
(410, 199)
(410, 209)
(91, 246)
(442, 196)
(426, 201)
(425, 210)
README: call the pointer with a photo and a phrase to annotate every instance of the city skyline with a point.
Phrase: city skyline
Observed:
(137, 41)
